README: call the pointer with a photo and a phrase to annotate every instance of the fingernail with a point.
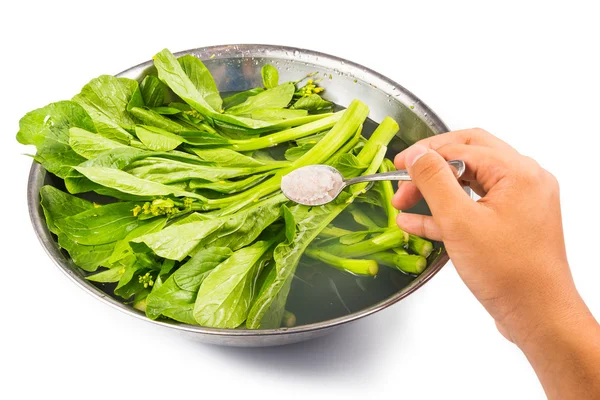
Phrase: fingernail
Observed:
(413, 153)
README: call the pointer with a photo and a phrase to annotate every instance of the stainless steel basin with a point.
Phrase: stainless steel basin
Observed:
(236, 68)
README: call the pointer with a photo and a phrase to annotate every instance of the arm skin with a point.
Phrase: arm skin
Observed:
(510, 251)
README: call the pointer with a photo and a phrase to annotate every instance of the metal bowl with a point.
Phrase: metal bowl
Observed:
(237, 68)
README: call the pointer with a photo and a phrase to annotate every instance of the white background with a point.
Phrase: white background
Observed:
(526, 72)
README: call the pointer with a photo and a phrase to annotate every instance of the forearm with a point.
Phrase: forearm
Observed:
(564, 350)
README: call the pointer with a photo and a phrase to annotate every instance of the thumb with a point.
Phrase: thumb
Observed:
(436, 181)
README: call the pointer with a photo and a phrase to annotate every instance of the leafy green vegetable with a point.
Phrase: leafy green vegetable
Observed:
(152, 118)
(236, 231)
(229, 187)
(226, 294)
(240, 97)
(172, 73)
(101, 225)
(153, 91)
(202, 80)
(127, 183)
(226, 158)
(270, 301)
(157, 139)
(58, 205)
(270, 76)
(176, 297)
(277, 97)
(313, 103)
(47, 129)
(191, 275)
(89, 144)
(273, 114)
(106, 99)
(196, 228)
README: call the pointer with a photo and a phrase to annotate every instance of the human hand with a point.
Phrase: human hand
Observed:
(508, 246)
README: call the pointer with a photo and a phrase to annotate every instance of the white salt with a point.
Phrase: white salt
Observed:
(311, 185)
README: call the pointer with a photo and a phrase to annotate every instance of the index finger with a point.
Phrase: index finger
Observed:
(475, 136)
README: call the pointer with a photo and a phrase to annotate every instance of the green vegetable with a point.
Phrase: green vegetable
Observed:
(153, 91)
(270, 76)
(387, 192)
(154, 119)
(226, 294)
(127, 183)
(411, 264)
(195, 228)
(176, 297)
(201, 78)
(106, 99)
(288, 320)
(235, 232)
(276, 97)
(419, 245)
(104, 224)
(157, 139)
(240, 97)
(390, 238)
(47, 129)
(357, 267)
(269, 305)
(89, 144)
(227, 158)
(313, 103)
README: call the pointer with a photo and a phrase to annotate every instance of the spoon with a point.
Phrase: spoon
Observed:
(316, 192)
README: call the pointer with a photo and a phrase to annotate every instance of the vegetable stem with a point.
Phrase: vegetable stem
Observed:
(419, 245)
(412, 264)
(288, 320)
(390, 238)
(381, 136)
(286, 135)
(356, 267)
(387, 192)
(352, 118)
(361, 218)
(334, 231)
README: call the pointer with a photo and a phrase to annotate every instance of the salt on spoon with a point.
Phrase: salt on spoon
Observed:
(315, 185)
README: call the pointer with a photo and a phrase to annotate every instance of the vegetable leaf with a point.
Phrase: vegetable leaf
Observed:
(177, 302)
(313, 103)
(157, 139)
(106, 99)
(233, 231)
(127, 183)
(202, 80)
(153, 91)
(226, 294)
(277, 97)
(89, 145)
(240, 97)
(226, 158)
(47, 129)
(101, 225)
(58, 205)
(270, 76)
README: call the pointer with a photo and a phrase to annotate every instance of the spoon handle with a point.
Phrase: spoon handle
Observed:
(458, 167)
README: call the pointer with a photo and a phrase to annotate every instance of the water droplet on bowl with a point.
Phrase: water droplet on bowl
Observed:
(296, 53)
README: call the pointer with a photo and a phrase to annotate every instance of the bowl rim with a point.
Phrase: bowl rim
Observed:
(37, 174)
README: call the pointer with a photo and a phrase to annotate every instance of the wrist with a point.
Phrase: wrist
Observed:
(552, 320)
